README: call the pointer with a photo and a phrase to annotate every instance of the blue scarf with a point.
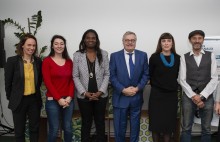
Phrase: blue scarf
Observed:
(165, 61)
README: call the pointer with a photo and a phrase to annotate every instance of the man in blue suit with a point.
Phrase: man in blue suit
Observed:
(128, 76)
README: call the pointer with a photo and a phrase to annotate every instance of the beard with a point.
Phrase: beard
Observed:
(197, 46)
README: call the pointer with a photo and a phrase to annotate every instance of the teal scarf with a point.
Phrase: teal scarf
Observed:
(165, 61)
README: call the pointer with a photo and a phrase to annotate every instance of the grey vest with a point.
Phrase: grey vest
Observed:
(198, 77)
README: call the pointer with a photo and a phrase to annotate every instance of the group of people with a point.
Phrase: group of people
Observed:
(88, 75)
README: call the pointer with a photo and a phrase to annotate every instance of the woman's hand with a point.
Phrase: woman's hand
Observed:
(68, 99)
(97, 95)
(93, 96)
(62, 102)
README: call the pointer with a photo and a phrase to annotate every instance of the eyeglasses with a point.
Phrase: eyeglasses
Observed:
(130, 40)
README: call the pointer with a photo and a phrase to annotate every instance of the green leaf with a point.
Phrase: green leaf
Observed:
(33, 25)
(37, 20)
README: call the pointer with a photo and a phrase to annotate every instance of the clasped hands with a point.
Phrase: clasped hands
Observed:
(197, 100)
(93, 96)
(65, 102)
(130, 91)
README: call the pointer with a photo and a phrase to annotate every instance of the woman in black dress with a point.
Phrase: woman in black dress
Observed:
(163, 69)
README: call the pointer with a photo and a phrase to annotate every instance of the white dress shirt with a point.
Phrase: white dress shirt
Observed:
(210, 87)
(217, 93)
(127, 60)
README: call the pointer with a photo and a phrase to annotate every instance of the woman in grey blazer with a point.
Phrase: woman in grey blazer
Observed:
(91, 78)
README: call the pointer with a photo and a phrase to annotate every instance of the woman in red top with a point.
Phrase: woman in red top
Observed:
(57, 75)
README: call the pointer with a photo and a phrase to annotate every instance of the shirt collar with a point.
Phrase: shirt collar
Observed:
(126, 52)
(32, 60)
(201, 52)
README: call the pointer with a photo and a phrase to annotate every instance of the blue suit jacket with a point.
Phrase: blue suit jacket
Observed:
(119, 78)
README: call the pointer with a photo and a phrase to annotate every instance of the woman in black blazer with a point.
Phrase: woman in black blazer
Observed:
(22, 85)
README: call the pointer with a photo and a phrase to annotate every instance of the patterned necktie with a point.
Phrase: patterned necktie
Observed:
(131, 65)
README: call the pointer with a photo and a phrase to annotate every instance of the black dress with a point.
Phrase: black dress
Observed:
(163, 96)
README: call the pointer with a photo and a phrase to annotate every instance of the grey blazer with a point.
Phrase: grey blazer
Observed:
(81, 74)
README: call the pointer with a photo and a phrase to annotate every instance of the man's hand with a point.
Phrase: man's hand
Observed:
(200, 104)
(217, 108)
(130, 91)
(197, 100)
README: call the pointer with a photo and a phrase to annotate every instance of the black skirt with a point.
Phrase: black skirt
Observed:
(162, 111)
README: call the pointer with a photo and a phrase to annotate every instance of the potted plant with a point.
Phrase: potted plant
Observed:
(33, 25)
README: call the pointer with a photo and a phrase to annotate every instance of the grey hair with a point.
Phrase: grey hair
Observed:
(128, 33)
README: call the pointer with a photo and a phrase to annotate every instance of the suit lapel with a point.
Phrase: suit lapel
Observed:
(21, 66)
(136, 64)
(35, 71)
(85, 65)
(96, 66)
(123, 63)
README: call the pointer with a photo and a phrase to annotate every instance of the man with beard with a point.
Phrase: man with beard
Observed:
(198, 78)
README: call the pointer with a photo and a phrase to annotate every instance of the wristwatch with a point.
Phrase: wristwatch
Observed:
(202, 98)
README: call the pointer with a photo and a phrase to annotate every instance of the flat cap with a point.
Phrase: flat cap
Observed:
(196, 32)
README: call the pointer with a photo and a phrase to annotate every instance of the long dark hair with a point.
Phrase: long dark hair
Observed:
(165, 36)
(82, 45)
(24, 38)
(65, 54)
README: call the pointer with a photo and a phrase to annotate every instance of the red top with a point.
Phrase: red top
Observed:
(58, 79)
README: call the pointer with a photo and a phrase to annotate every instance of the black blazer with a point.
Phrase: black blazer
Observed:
(14, 80)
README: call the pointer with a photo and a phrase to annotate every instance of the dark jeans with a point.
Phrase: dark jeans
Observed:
(92, 110)
(29, 108)
(55, 113)
(206, 113)
(218, 134)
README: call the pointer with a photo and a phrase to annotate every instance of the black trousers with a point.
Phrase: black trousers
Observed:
(218, 134)
(29, 108)
(92, 110)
